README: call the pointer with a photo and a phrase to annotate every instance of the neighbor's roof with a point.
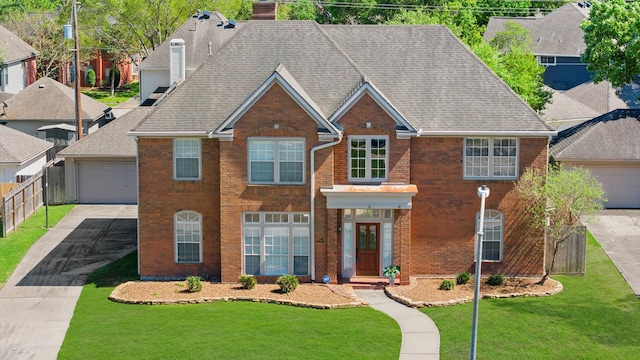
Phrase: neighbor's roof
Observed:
(563, 107)
(110, 140)
(12, 48)
(603, 97)
(612, 136)
(555, 34)
(17, 147)
(197, 35)
(49, 100)
(433, 81)
(4, 96)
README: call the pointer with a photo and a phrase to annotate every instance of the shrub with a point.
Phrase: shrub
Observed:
(91, 77)
(248, 281)
(495, 280)
(447, 285)
(194, 284)
(463, 278)
(287, 283)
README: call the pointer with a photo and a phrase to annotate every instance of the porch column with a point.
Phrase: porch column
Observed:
(332, 244)
(402, 243)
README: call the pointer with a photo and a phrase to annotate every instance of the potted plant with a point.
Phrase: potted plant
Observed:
(391, 272)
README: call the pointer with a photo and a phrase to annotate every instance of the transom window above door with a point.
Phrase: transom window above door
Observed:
(276, 161)
(368, 158)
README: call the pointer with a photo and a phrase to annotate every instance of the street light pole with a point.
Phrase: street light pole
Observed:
(77, 72)
(483, 193)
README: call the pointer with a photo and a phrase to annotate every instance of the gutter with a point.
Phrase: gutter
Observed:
(312, 236)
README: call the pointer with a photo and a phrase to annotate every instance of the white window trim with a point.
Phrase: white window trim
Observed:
(546, 63)
(490, 163)
(276, 165)
(175, 237)
(175, 169)
(501, 234)
(368, 177)
(290, 225)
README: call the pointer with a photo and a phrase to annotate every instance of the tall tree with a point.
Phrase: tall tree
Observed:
(556, 203)
(613, 46)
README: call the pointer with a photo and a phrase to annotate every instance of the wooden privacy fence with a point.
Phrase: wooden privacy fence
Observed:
(21, 202)
(572, 254)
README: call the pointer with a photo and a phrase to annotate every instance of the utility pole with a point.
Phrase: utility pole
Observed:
(77, 72)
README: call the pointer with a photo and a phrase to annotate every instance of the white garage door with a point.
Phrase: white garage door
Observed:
(621, 184)
(112, 182)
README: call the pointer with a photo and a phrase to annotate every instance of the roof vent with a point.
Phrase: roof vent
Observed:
(41, 86)
(584, 4)
(230, 25)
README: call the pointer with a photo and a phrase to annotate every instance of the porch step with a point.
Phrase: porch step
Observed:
(365, 283)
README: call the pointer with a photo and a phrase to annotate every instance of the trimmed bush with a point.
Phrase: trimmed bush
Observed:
(463, 278)
(91, 77)
(495, 280)
(248, 281)
(194, 284)
(287, 283)
(447, 285)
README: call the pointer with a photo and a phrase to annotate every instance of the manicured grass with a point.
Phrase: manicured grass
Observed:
(17, 243)
(101, 329)
(121, 94)
(596, 317)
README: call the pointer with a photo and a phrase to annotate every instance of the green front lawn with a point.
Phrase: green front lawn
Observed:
(596, 317)
(101, 329)
(17, 243)
(121, 94)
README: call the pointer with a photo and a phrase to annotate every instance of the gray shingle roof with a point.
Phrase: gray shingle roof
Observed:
(13, 49)
(17, 147)
(556, 34)
(47, 99)
(110, 140)
(197, 36)
(563, 107)
(603, 97)
(425, 72)
(612, 136)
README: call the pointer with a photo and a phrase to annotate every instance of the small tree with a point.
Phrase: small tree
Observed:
(557, 201)
(91, 77)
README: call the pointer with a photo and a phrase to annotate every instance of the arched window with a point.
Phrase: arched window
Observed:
(493, 235)
(188, 237)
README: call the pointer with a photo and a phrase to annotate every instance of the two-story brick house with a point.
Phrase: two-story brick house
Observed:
(336, 150)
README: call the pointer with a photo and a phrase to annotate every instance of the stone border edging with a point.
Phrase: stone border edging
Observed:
(390, 292)
(115, 297)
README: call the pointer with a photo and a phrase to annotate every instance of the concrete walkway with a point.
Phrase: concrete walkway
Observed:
(618, 231)
(420, 336)
(38, 300)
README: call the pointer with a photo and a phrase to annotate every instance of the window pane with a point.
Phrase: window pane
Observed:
(476, 157)
(188, 252)
(504, 157)
(187, 158)
(291, 172)
(492, 238)
(262, 171)
(358, 158)
(301, 265)
(276, 247)
(188, 237)
(252, 264)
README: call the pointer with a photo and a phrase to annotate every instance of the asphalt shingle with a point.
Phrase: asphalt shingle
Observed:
(13, 48)
(17, 147)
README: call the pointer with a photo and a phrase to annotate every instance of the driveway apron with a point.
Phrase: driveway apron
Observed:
(38, 300)
(618, 231)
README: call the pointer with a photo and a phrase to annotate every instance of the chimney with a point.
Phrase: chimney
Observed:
(177, 69)
(264, 10)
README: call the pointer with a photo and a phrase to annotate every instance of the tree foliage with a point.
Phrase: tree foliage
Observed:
(557, 201)
(613, 45)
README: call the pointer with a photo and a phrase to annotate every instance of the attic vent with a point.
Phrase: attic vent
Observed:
(41, 86)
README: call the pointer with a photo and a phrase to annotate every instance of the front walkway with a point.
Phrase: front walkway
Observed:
(420, 336)
(38, 300)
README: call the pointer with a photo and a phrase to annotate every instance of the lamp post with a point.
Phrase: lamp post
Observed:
(483, 193)
(68, 32)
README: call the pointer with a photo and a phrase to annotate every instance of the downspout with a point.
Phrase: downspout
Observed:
(313, 201)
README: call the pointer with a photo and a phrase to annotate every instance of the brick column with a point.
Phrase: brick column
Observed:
(402, 243)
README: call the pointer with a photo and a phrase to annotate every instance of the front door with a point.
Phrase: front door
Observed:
(367, 253)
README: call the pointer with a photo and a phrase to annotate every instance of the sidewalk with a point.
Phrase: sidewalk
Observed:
(420, 336)
(38, 300)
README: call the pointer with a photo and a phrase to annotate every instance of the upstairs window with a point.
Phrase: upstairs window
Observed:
(490, 158)
(276, 161)
(547, 60)
(368, 158)
(186, 159)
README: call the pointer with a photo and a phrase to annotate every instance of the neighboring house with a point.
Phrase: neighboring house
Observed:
(557, 40)
(17, 62)
(47, 102)
(101, 167)
(336, 150)
(21, 155)
(607, 146)
(201, 35)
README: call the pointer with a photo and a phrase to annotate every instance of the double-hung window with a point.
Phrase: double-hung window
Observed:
(368, 158)
(186, 159)
(276, 243)
(188, 237)
(493, 158)
(492, 238)
(276, 161)
(547, 60)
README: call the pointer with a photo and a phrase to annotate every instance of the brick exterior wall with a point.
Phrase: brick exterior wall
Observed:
(436, 237)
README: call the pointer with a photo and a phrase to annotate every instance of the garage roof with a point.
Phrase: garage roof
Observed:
(17, 147)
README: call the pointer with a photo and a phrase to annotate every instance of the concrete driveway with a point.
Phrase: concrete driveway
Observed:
(618, 231)
(38, 300)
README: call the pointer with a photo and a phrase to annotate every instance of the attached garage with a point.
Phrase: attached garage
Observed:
(107, 182)
(621, 184)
